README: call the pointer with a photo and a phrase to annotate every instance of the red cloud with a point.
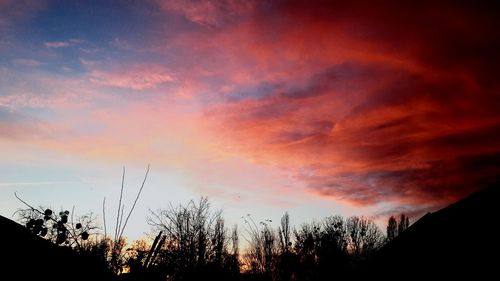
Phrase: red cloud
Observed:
(394, 104)
(209, 12)
(365, 103)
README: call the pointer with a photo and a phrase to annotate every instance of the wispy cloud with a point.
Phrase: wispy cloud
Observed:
(15, 125)
(354, 119)
(41, 90)
(136, 77)
(62, 44)
(209, 13)
(57, 44)
(26, 62)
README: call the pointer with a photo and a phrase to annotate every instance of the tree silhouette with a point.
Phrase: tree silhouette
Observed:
(404, 223)
(364, 236)
(392, 228)
(193, 243)
(196, 241)
(262, 248)
(307, 243)
(232, 265)
(333, 247)
(285, 258)
(395, 228)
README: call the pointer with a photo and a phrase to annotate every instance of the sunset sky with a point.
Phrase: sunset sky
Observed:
(311, 107)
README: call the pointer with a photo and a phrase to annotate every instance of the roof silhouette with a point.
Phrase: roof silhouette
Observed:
(25, 256)
(456, 241)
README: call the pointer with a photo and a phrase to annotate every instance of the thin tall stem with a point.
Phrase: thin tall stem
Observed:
(135, 201)
(117, 230)
(104, 216)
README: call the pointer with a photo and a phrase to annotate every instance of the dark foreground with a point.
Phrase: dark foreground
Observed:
(457, 241)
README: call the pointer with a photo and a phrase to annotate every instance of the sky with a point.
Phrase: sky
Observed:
(317, 108)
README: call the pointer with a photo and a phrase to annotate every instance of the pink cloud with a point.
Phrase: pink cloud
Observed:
(136, 77)
(358, 104)
(19, 127)
(208, 13)
(40, 90)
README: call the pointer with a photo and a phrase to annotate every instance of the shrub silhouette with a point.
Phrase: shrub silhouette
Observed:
(59, 228)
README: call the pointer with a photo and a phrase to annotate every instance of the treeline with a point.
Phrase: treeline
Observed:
(193, 242)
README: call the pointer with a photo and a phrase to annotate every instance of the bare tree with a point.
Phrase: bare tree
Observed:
(235, 242)
(233, 259)
(285, 255)
(335, 229)
(262, 248)
(364, 236)
(285, 234)
(196, 237)
(219, 242)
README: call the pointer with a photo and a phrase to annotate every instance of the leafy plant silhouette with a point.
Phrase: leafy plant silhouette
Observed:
(59, 228)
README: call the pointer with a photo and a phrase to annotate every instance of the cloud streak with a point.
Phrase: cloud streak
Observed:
(62, 44)
(56, 45)
(135, 77)
(208, 13)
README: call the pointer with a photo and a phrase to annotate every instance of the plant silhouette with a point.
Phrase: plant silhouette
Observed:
(192, 242)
